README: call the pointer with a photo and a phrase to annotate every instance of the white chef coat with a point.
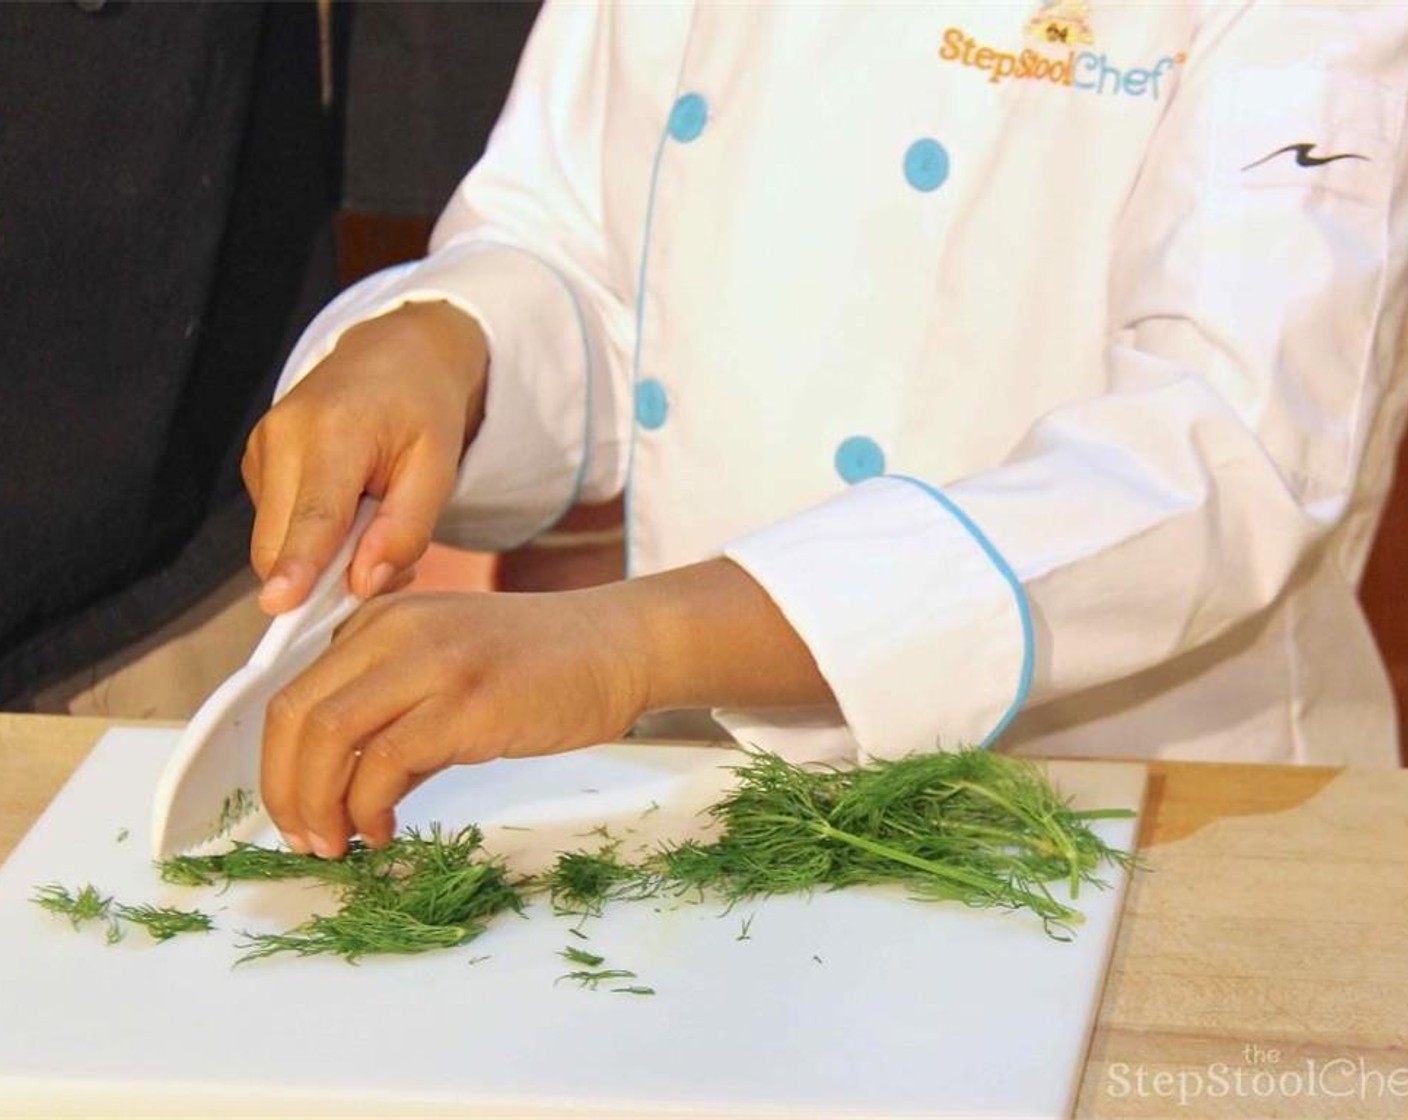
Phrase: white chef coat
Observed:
(1040, 361)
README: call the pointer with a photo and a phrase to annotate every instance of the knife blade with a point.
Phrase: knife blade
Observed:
(212, 777)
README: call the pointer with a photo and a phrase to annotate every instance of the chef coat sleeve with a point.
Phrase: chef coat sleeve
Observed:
(1256, 315)
(520, 247)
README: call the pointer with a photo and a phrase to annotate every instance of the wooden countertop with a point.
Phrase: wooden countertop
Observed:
(1261, 968)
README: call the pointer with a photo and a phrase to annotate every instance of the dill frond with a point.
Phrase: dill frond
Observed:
(86, 906)
(164, 922)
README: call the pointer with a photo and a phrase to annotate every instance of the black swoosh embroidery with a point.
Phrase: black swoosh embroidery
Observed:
(1303, 156)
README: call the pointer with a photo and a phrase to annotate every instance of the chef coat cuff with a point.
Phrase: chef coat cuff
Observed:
(525, 466)
(915, 620)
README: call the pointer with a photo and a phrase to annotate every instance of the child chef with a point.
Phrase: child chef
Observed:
(974, 373)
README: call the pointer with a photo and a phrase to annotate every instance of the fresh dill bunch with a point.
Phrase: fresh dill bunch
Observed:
(162, 922)
(973, 826)
(88, 905)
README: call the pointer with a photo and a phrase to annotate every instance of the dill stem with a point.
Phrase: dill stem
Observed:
(1043, 821)
(1043, 905)
(1103, 814)
(1016, 839)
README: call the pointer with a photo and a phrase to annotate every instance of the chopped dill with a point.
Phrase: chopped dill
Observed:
(973, 826)
(122, 835)
(86, 906)
(235, 808)
(636, 990)
(573, 955)
(582, 882)
(593, 978)
(163, 922)
(422, 891)
(357, 931)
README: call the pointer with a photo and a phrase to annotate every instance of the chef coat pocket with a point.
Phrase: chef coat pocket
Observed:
(1308, 129)
(1294, 239)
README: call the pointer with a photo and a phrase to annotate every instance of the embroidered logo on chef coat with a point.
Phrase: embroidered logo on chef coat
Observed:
(1062, 22)
(1063, 25)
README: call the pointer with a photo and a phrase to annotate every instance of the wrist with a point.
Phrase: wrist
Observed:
(625, 651)
(439, 335)
(708, 635)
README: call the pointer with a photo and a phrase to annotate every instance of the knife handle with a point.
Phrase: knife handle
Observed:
(328, 605)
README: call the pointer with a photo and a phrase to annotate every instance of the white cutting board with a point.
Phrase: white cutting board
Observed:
(853, 1003)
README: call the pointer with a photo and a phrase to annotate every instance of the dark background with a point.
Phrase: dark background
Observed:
(171, 180)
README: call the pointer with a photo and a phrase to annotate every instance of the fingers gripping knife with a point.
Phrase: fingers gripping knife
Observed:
(214, 772)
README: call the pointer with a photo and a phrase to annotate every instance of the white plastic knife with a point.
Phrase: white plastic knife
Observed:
(213, 774)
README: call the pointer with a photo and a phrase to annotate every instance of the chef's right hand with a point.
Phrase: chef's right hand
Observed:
(388, 413)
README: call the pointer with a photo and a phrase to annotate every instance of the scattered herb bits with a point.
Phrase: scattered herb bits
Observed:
(89, 905)
(573, 955)
(236, 807)
(594, 978)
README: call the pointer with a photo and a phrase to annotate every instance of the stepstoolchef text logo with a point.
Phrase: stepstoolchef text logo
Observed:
(1264, 1074)
(1062, 25)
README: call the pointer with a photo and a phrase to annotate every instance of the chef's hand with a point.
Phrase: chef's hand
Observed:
(418, 682)
(389, 412)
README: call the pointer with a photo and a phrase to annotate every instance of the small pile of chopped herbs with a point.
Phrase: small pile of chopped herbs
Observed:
(975, 827)
(423, 891)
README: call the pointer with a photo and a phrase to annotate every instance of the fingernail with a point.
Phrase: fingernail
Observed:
(275, 587)
(381, 577)
(322, 849)
(295, 843)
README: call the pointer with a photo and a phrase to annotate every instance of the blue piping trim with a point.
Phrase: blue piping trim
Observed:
(627, 488)
(640, 335)
(1024, 610)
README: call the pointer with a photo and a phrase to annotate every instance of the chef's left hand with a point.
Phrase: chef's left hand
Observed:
(415, 683)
